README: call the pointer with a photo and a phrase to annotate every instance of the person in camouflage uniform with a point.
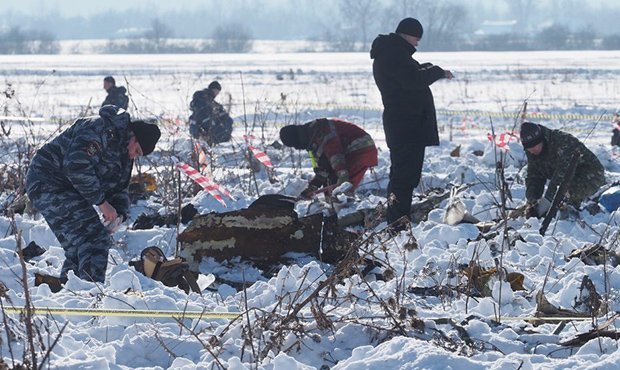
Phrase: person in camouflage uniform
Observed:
(88, 164)
(116, 94)
(341, 151)
(548, 156)
(209, 120)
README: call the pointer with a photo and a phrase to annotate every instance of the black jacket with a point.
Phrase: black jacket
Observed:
(116, 96)
(409, 110)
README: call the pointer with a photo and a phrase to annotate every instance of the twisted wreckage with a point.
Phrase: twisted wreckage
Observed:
(264, 232)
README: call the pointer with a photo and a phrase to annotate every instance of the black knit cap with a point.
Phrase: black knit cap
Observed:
(147, 134)
(110, 79)
(291, 136)
(214, 85)
(411, 27)
(531, 134)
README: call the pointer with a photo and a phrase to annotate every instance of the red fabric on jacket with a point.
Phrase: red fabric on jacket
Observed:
(341, 148)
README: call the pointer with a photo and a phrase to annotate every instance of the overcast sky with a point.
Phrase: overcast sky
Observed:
(277, 19)
(89, 7)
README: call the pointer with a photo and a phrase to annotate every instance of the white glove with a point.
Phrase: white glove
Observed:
(542, 206)
(113, 226)
(342, 188)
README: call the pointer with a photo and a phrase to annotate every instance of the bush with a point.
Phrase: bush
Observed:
(611, 42)
(17, 41)
(230, 38)
(553, 38)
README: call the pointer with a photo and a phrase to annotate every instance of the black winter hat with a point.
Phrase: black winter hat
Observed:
(147, 134)
(531, 134)
(290, 136)
(214, 85)
(110, 79)
(411, 27)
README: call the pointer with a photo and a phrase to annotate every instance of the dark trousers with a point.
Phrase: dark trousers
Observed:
(405, 174)
(77, 227)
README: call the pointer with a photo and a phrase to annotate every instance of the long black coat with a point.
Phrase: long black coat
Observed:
(409, 110)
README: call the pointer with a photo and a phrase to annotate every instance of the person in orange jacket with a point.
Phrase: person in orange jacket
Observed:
(341, 151)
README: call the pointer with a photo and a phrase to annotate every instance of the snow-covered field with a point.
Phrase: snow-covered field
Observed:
(360, 322)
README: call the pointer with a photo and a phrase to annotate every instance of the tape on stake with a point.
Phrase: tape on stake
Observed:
(203, 181)
(202, 156)
(261, 156)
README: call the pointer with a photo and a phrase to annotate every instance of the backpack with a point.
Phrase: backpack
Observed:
(175, 272)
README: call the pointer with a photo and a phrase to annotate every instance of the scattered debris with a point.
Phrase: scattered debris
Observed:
(600, 331)
(480, 279)
(147, 222)
(595, 254)
(456, 212)
(173, 273)
(32, 250)
(589, 301)
(141, 186)
(546, 309)
(456, 152)
(371, 217)
(55, 283)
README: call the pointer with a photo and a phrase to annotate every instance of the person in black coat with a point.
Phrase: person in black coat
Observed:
(409, 120)
(116, 94)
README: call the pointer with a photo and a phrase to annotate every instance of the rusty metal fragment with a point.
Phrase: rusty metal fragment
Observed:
(262, 232)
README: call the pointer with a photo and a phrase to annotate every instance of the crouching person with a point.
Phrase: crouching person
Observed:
(87, 165)
(341, 151)
(548, 158)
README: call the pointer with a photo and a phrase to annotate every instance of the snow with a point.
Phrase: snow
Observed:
(360, 334)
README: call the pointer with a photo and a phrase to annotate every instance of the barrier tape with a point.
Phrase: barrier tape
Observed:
(102, 312)
(15, 118)
(533, 115)
(502, 142)
(479, 113)
(205, 182)
(260, 155)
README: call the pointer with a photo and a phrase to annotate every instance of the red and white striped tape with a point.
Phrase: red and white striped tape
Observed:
(503, 139)
(258, 154)
(205, 182)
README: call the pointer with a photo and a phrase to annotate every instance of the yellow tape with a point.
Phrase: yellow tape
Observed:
(15, 118)
(477, 113)
(100, 312)
(125, 313)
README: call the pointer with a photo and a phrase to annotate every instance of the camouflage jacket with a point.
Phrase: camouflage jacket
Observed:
(333, 144)
(206, 113)
(552, 164)
(90, 157)
(116, 96)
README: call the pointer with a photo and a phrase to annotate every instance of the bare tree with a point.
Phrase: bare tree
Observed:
(445, 22)
(521, 10)
(361, 15)
(158, 34)
(231, 38)
(18, 41)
